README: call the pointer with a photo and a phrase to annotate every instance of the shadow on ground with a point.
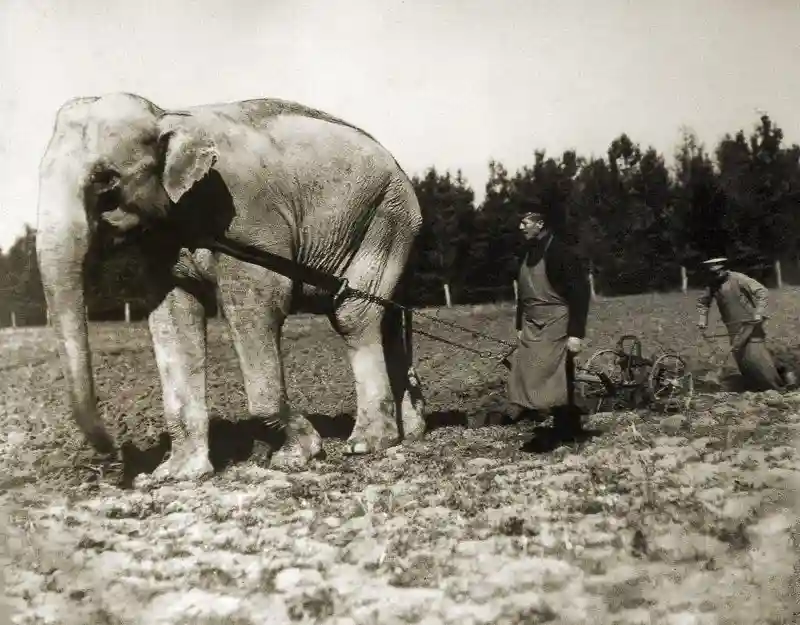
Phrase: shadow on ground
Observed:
(230, 442)
(546, 439)
(235, 441)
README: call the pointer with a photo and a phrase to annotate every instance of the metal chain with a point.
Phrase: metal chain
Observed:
(348, 291)
(471, 331)
(480, 353)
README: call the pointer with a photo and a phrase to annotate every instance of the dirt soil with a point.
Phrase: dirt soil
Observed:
(677, 519)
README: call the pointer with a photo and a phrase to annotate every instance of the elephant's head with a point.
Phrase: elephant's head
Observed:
(115, 165)
(141, 167)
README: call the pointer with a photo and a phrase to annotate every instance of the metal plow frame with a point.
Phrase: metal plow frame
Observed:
(620, 378)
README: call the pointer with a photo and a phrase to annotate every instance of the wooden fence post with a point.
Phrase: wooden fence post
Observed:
(447, 300)
(127, 312)
(778, 276)
(684, 280)
(516, 292)
(13, 319)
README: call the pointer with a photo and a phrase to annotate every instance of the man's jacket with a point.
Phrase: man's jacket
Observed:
(745, 293)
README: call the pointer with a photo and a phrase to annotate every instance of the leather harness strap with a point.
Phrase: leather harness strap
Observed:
(285, 266)
(279, 264)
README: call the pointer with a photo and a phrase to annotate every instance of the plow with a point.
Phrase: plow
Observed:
(622, 378)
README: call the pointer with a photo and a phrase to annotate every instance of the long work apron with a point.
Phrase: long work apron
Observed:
(538, 377)
(752, 357)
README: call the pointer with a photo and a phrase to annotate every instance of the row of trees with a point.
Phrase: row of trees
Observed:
(635, 220)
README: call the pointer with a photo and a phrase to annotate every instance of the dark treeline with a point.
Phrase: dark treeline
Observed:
(635, 220)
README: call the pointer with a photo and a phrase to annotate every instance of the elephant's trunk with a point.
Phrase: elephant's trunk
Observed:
(62, 242)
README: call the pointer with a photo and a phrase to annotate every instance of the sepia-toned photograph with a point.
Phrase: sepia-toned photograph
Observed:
(385, 312)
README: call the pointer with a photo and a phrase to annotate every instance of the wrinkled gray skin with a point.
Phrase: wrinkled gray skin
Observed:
(274, 174)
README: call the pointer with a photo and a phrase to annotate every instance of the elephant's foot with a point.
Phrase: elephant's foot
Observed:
(372, 434)
(190, 465)
(303, 443)
(414, 426)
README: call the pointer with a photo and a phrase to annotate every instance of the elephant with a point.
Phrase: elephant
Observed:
(271, 174)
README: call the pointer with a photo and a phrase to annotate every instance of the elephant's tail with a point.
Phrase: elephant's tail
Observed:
(406, 318)
(403, 297)
(408, 334)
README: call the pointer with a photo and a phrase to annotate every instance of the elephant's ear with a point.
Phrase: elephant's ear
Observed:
(187, 159)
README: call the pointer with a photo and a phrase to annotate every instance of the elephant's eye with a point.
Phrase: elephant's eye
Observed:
(106, 179)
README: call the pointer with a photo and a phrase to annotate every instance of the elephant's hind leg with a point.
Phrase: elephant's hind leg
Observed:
(388, 408)
(376, 423)
(256, 302)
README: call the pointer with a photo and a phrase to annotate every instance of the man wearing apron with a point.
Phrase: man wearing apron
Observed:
(742, 303)
(552, 308)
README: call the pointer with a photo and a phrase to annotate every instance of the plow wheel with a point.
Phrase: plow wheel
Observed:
(670, 384)
(589, 387)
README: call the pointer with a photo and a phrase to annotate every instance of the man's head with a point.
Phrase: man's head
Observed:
(531, 225)
(716, 269)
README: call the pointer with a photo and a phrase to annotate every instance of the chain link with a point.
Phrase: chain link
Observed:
(350, 291)
(482, 354)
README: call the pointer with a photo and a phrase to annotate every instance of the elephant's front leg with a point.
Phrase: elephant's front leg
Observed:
(178, 329)
(256, 302)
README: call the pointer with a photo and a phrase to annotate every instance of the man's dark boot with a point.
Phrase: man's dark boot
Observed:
(532, 414)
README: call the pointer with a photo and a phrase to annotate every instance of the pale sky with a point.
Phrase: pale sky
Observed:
(450, 83)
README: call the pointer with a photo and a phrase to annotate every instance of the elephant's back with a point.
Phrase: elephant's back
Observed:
(261, 113)
(298, 136)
